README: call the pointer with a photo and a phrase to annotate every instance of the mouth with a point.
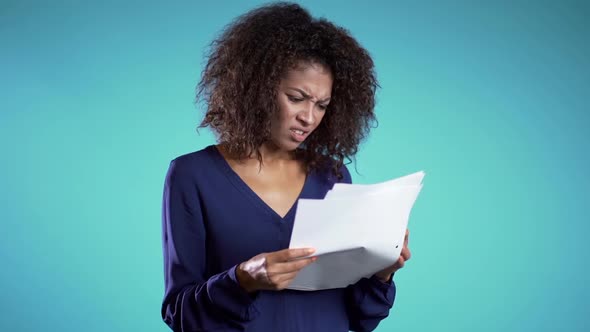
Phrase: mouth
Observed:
(299, 135)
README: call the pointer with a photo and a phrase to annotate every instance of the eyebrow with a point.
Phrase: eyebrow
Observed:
(305, 95)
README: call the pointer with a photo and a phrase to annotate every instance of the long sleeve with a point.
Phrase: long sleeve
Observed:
(193, 302)
(369, 300)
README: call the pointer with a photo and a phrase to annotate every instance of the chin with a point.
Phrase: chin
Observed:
(292, 146)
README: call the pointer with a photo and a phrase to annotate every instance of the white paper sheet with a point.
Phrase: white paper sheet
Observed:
(357, 231)
(348, 190)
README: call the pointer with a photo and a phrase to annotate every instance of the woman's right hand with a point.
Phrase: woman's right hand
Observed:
(273, 271)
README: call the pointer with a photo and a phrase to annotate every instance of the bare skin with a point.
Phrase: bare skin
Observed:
(273, 271)
(278, 182)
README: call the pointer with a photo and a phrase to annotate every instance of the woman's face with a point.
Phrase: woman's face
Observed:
(303, 95)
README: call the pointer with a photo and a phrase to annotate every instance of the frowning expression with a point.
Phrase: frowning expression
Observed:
(303, 96)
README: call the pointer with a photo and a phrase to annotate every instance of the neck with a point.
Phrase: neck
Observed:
(270, 154)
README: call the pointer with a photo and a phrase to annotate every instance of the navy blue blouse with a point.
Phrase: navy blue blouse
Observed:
(212, 221)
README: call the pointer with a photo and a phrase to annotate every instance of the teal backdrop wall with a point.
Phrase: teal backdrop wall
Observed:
(489, 98)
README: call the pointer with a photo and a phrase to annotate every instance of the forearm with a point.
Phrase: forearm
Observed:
(218, 303)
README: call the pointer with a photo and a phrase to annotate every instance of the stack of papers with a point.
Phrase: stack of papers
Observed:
(357, 230)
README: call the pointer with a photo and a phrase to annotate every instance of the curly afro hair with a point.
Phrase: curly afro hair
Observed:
(244, 68)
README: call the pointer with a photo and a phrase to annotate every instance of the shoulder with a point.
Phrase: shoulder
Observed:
(196, 157)
(193, 164)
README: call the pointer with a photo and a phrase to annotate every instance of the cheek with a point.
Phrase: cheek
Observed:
(286, 112)
(320, 116)
(281, 117)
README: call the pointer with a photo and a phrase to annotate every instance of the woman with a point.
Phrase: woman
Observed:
(289, 97)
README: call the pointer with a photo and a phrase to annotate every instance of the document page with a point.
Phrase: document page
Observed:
(357, 230)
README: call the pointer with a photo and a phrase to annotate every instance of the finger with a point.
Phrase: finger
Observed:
(292, 266)
(286, 277)
(286, 255)
(407, 237)
(275, 278)
(406, 254)
(280, 281)
(283, 285)
(285, 280)
(400, 262)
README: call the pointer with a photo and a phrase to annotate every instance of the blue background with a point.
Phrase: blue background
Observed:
(491, 99)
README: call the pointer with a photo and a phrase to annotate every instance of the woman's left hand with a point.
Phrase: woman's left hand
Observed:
(386, 273)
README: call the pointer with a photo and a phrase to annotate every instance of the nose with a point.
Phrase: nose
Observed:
(306, 115)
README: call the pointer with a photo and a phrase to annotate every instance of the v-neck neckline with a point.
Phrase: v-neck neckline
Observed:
(248, 191)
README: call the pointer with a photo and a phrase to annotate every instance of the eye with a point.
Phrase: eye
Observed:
(323, 107)
(294, 99)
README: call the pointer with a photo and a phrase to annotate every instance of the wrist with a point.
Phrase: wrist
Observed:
(385, 278)
(244, 279)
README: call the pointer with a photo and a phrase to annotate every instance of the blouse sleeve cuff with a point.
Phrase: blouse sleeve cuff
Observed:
(386, 288)
(225, 292)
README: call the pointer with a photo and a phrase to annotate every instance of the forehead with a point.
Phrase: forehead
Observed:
(315, 79)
